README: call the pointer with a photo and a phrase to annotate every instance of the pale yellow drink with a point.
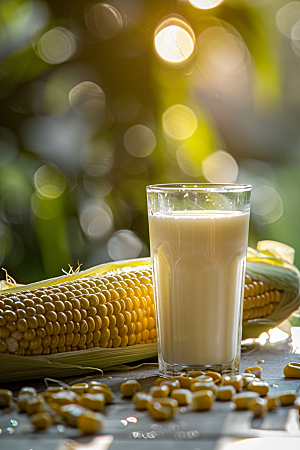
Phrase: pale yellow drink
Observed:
(199, 263)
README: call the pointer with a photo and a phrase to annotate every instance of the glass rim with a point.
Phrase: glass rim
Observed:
(198, 187)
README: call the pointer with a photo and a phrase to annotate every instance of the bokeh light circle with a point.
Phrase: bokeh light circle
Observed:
(104, 20)
(98, 157)
(87, 99)
(174, 40)
(205, 4)
(188, 161)
(124, 244)
(96, 220)
(57, 45)
(49, 181)
(179, 122)
(226, 52)
(266, 203)
(139, 141)
(287, 16)
(220, 167)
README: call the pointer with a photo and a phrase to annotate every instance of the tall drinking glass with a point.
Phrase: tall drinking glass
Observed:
(198, 242)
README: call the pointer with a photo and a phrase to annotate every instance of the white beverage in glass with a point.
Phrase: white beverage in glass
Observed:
(199, 262)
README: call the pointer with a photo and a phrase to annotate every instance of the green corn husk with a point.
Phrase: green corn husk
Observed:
(14, 367)
(265, 266)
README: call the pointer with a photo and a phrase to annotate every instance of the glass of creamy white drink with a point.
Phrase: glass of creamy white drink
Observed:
(198, 242)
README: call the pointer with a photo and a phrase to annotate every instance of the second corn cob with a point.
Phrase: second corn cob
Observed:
(260, 298)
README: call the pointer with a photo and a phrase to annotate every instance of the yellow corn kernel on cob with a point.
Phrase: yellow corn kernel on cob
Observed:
(96, 311)
(112, 305)
(260, 298)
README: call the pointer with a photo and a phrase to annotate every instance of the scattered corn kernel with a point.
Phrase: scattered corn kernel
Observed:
(247, 375)
(28, 390)
(64, 397)
(186, 382)
(247, 378)
(159, 391)
(141, 399)
(173, 384)
(94, 384)
(198, 386)
(255, 370)
(159, 411)
(71, 413)
(79, 388)
(166, 401)
(109, 397)
(160, 379)
(242, 399)
(203, 379)
(194, 373)
(22, 401)
(130, 387)
(258, 406)
(202, 400)
(287, 398)
(6, 398)
(215, 376)
(225, 393)
(262, 387)
(235, 380)
(41, 420)
(272, 402)
(89, 423)
(94, 402)
(183, 396)
(292, 370)
(34, 405)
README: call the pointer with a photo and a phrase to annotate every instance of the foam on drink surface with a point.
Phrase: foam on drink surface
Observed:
(199, 263)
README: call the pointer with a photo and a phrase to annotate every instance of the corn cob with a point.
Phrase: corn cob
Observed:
(108, 311)
(260, 298)
(96, 311)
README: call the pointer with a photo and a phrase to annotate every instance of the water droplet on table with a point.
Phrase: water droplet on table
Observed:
(132, 419)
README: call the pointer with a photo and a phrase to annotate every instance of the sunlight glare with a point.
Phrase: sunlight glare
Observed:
(174, 40)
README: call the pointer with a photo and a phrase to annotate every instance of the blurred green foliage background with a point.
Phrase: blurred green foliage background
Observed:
(96, 104)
